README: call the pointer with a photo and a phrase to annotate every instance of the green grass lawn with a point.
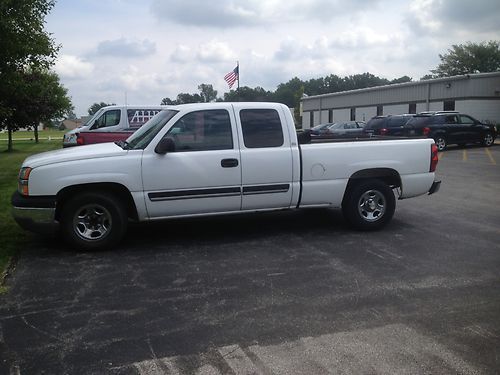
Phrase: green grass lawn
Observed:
(52, 133)
(12, 237)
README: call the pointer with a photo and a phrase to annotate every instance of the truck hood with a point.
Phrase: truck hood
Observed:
(100, 150)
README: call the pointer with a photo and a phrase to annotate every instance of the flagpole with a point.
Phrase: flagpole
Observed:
(238, 88)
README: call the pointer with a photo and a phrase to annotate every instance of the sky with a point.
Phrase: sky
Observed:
(139, 52)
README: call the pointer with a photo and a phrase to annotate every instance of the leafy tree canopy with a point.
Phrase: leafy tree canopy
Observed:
(469, 58)
(97, 106)
(24, 44)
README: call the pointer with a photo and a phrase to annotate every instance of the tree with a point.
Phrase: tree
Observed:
(97, 106)
(24, 44)
(39, 98)
(167, 101)
(402, 79)
(469, 58)
(207, 93)
(247, 94)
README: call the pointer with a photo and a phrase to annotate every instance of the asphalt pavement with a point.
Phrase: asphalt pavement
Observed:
(295, 292)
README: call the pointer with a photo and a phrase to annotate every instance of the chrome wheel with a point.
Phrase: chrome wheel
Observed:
(92, 222)
(371, 205)
(440, 143)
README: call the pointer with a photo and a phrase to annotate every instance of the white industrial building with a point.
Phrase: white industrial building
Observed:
(475, 94)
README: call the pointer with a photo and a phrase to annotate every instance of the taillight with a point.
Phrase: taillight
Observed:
(384, 131)
(79, 139)
(426, 131)
(434, 158)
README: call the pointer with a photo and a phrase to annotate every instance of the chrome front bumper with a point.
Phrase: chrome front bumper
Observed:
(35, 219)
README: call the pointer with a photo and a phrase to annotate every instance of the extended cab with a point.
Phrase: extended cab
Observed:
(216, 158)
(111, 123)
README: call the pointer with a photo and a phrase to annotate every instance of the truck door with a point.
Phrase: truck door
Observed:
(266, 159)
(202, 175)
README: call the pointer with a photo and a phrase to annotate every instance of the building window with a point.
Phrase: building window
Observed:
(330, 115)
(412, 108)
(449, 105)
(353, 114)
(380, 110)
(311, 119)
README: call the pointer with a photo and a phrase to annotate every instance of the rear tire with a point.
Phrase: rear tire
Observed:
(440, 143)
(369, 205)
(93, 221)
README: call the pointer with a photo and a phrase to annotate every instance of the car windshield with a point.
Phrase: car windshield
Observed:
(320, 127)
(142, 137)
(337, 125)
(91, 120)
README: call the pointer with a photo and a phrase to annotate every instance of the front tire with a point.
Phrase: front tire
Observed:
(369, 205)
(488, 140)
(93, 221)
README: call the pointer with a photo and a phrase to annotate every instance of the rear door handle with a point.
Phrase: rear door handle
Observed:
(229, 163)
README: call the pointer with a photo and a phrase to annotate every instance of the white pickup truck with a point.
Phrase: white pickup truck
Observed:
(216, 158)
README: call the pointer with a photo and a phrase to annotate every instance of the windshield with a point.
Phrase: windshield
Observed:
(142, 137)
(321, 126)
(337, 125)
(91, 120)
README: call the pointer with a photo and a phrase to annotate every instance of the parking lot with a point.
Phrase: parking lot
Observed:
(294, 292)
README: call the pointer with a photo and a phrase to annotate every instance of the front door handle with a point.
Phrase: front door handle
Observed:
(229, 163)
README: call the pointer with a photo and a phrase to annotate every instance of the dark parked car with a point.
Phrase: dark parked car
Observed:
(450, 128)
(387, 125)
(339, 129)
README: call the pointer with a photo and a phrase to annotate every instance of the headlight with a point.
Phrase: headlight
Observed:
(24, 175)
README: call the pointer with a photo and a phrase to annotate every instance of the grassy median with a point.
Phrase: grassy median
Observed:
(12, 237)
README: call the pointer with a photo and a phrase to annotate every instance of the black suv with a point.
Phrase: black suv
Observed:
(450, 128)
(387, 125)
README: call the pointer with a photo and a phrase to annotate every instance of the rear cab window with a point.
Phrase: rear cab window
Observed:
(261, 128)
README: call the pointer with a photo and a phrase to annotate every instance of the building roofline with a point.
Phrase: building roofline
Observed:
(404, 84)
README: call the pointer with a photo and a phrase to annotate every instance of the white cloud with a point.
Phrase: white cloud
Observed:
(181, 54)
(215, 51)
(126, 48)
(71, 67)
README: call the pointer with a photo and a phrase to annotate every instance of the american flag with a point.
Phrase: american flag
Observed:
(232, 76)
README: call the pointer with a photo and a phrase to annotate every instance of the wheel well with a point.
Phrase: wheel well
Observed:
(387, 175)
(117, 190)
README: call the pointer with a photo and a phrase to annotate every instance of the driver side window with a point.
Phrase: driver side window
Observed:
(451, 119)
(108, 118)
(466, 120)
(202, 131)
